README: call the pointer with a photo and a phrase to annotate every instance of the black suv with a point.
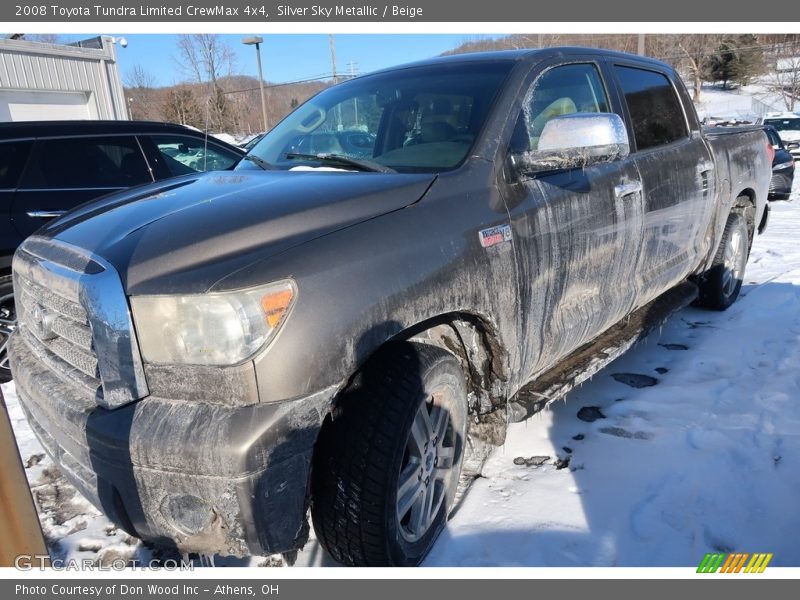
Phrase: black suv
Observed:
(49, 167)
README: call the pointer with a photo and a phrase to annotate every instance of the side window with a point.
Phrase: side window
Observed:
(85, 162)
(184, 155)
(13, 156)
(564, 90)
(654, 107)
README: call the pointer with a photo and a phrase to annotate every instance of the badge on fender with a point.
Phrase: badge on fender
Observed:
(495, 235)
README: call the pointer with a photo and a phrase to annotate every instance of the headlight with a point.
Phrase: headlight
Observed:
(784, 165)
(210, 329)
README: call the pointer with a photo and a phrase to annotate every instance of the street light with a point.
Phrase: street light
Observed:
(256, 41)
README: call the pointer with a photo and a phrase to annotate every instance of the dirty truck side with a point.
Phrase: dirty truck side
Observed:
(346, 322)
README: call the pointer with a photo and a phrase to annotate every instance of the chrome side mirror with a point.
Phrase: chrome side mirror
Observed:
(577, 140)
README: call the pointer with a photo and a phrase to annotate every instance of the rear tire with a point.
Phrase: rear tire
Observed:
(8, 322)
(386, 468)
(721, 284)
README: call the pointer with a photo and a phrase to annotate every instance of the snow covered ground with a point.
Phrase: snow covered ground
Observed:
(706, 459)
(746, 102)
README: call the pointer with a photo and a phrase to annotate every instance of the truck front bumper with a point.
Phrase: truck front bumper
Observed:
(205, 478)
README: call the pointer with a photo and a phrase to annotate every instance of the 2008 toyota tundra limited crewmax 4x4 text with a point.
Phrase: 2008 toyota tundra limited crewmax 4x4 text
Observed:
(346, 322)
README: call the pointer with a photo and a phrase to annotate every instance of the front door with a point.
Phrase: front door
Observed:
(577, 231)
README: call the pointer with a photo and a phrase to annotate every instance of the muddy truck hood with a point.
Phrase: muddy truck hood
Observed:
(183, 235)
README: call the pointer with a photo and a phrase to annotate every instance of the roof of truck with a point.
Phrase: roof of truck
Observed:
(527, 54)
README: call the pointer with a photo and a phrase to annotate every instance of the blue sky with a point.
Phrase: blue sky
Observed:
(288, 57)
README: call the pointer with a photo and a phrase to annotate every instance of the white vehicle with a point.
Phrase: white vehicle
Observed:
(787, 125)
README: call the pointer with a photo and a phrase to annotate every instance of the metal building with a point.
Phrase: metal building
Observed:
(44, 82)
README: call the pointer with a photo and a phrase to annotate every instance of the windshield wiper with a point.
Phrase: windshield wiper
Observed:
(364, 165)
(258, 161)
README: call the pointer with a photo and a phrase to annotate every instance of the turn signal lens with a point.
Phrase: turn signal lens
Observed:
(275, 306)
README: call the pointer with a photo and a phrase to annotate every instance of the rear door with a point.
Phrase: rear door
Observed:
(65, 172)
(677, 174)
(575, 230)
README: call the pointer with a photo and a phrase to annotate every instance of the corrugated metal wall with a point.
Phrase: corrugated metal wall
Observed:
(36, 66)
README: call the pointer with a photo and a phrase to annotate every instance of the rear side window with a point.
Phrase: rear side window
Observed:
(184, 155)
(13, 156)
(101, 162)
(654, 107)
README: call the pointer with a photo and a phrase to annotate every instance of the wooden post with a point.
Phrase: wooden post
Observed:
(22, 533)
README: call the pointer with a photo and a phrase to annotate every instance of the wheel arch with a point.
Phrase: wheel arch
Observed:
(476, 343)
(746, 203)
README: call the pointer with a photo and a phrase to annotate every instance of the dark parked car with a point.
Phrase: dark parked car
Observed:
(780, 186)
(212, 356)
(49, 167)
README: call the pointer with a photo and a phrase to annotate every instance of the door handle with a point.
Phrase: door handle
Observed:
(45, 214)
(704, 167)
(628, 189)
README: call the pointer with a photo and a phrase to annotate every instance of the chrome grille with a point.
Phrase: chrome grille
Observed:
(31, 293)
(59, 325)
(73, 313)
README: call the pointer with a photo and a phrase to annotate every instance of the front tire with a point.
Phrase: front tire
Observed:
(8, 322)
(721, 284)
(386, 468)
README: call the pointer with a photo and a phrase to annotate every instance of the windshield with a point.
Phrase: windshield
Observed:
(422, 119)
(784, 124)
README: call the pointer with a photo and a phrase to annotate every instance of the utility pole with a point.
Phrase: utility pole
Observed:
(332, 43)
(641, 45)
(353, 70)
(257, 41)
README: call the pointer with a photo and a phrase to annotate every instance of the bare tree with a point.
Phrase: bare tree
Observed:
(139, 79)
(207, 59)
(140, 89)
(691, 52)
(784, 81)
(181, 106)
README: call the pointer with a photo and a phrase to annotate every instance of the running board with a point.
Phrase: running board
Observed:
(591, 358)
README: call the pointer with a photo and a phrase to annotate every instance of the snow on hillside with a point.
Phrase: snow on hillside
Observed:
(705, 459)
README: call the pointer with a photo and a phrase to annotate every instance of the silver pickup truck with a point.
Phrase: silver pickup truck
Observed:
(345, 323)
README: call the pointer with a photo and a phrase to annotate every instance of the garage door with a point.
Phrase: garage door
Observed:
(36, 105)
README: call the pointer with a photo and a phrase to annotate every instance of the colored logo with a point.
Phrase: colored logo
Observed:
(495, 235)
(738, 562)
